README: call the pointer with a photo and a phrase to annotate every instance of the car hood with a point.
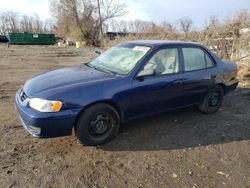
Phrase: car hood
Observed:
(62, 78)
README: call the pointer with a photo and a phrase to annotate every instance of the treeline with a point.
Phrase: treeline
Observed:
(229, 38)
(81, 20)
(14, 22)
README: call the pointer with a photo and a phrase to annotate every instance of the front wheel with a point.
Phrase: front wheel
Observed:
(97, 125)
(212, 101)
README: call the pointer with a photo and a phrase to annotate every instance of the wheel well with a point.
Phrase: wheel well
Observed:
(111, 103)
(223, 86)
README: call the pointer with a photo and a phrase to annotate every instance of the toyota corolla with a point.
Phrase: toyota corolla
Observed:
(131, 80)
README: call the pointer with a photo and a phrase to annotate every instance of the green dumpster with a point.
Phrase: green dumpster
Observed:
(31, 39)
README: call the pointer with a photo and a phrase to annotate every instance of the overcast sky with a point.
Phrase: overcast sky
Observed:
(151, 10)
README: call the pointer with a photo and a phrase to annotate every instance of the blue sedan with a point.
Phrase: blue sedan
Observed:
(131, 80)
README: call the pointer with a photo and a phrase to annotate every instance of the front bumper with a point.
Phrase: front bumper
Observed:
(45, 125)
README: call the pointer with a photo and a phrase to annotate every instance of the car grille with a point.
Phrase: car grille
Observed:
(23, 96)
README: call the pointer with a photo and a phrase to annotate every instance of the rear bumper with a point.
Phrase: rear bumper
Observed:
(45, 125)
(231, 87)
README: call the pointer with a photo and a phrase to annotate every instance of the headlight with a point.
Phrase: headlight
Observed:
(43, 105)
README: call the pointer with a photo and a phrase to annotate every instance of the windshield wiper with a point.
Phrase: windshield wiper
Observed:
(89, 65)
(107, 70)
(102, 69)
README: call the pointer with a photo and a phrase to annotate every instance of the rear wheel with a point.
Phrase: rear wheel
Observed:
(97, 125)
(212, 101)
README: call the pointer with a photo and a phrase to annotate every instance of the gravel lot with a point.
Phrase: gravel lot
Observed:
(179, 149)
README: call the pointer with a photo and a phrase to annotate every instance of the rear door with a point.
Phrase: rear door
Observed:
(198, 75)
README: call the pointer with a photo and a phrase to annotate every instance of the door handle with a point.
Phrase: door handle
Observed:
(210, 77)
(177, 82)
(213, 76)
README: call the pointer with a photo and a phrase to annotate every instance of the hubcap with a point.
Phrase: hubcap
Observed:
(214, 99)
(100, 124)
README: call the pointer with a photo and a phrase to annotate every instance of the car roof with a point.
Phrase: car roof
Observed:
(155, 43)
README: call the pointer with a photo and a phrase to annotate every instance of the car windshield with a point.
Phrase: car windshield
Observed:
(119, 59)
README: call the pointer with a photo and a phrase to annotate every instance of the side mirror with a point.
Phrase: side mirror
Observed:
(98, 52)
(146, 72)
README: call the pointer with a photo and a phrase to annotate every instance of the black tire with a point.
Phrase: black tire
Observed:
(97, 125)
(212, 100)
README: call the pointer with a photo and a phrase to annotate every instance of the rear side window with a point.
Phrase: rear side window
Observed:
(209, 61)
(195, 59)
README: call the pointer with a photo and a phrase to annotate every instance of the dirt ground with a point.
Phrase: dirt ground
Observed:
(179, 149)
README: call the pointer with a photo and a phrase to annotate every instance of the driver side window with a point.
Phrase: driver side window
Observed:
(165, 61)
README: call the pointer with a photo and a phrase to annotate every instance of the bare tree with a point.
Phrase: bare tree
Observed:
(81, 16)
(3, 26)
(9, 22)
(26, 24)
(110, 9)
(185, 26)
(12, 21)
(38, 24)
(48, 26)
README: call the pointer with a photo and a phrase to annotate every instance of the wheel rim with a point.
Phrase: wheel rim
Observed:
(214, 99)
(100, 126)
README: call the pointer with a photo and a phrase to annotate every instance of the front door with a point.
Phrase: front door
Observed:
(161, 91)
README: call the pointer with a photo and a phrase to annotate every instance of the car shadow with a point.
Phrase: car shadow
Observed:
(187, 128)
